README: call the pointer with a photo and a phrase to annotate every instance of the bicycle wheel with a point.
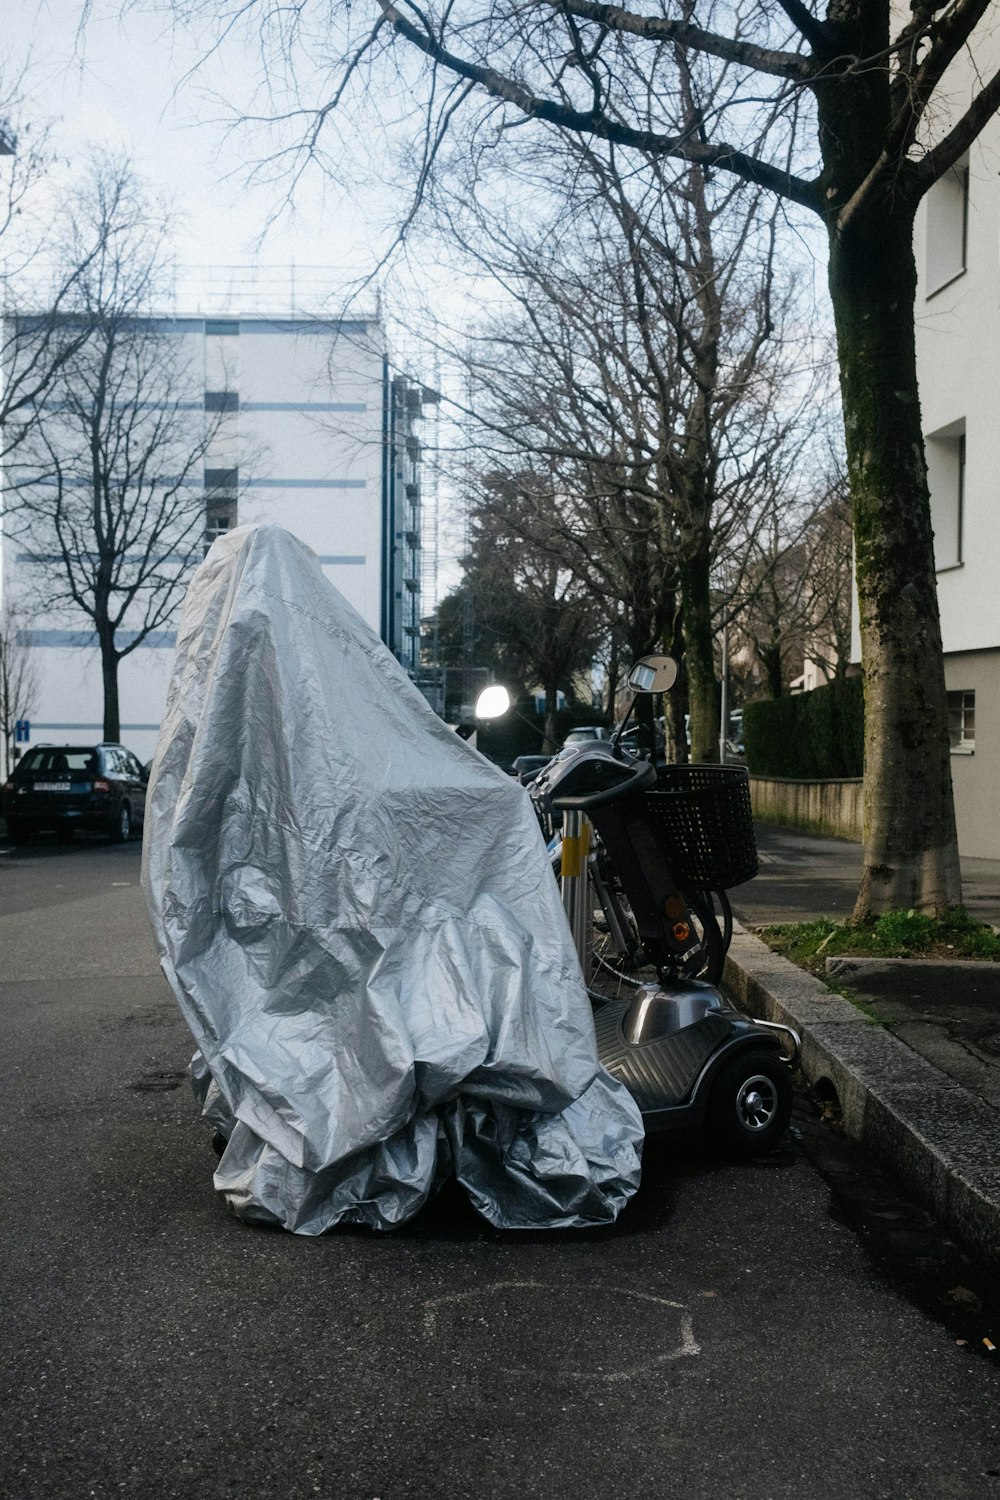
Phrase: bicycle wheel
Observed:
(618, 964)
(620, 961)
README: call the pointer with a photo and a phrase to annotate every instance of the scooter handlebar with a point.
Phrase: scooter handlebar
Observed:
(638, 775)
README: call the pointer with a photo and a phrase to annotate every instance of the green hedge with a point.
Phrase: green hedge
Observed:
(809, 736)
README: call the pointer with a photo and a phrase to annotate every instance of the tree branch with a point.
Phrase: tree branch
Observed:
(658, 28)
(723, 157)
(810, 27)
(958, 140)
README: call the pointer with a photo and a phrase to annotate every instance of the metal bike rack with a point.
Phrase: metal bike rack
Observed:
(574, 883)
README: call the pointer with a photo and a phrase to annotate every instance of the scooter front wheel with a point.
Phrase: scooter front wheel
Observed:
(751, 1103)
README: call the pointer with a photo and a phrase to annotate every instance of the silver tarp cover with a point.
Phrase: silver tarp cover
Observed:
(356, 914)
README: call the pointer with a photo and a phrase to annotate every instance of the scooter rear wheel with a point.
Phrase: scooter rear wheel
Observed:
(751, 1103)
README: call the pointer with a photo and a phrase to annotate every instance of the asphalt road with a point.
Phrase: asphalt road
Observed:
(732, 1336)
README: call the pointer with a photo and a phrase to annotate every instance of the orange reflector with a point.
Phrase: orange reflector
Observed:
(681, 931)
(674, 907)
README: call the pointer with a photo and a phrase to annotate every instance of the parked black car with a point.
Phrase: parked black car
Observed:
(100, 788)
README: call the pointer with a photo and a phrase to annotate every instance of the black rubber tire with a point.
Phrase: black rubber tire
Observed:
(121, 832)
(614, 974)
(751, 1103)
(16, 833)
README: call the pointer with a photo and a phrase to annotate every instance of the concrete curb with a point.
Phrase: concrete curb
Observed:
(942, 1141)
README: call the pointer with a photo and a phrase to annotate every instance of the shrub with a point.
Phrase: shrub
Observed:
(808, 736)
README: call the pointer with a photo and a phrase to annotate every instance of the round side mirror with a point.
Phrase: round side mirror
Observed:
(652, 674)
(492, 702)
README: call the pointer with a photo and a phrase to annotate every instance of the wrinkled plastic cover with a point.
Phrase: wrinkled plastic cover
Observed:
(356, 914)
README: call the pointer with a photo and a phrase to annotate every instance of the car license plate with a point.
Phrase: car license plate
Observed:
(53, 786)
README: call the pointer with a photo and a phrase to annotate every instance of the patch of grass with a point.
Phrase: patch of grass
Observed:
(897, 934)
(904, 932)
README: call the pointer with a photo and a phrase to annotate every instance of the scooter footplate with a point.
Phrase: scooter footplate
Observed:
(658, 1074)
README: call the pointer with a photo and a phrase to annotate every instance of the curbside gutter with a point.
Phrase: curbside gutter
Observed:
(940, 1139)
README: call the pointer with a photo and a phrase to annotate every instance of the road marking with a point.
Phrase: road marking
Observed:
(688, 1345)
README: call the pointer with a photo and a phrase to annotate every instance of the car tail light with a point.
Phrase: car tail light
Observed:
(102, 786)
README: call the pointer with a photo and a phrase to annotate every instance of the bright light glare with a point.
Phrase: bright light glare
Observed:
(492, 702)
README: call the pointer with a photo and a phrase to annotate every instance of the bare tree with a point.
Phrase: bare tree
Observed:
(850, 113)
(866, 91)
(530, 609)
(18, 680)
(32, 351)
(105, 494)
(644, 355)
(794, 600)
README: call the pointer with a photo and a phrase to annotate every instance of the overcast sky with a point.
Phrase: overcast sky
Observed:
(127, 82)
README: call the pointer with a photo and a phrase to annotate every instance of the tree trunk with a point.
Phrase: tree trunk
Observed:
(614, 671)
(699, 657)
(109, 674)
(911, 851)
(676, 705)
(550, 743)
(769, 655)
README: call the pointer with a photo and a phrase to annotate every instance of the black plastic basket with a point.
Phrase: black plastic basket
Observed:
(702, 820)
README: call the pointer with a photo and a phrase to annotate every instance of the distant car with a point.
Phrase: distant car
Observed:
(735, 743)
(586, 732)
(527, 767)
(97, 788)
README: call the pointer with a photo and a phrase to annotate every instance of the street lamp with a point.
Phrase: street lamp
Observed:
(493, 702)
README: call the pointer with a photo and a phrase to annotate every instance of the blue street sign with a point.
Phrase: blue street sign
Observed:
(22, 731)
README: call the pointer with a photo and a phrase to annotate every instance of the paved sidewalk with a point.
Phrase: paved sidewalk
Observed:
(916, 1071)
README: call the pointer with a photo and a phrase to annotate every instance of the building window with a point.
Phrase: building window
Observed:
(220, 502)
(946, 480)
(962, 721)
(947, 227)
(220, 517)
(222, 325)
(222, 479)
(222, 401)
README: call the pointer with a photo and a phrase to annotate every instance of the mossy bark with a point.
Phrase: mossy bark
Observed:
(675, 703)
(911, 852)
(699, 657)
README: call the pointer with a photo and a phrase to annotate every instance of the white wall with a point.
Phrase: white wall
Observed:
(307, 440)
(958, 363)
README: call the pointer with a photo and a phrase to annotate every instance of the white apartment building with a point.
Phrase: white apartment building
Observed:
(314, 431)
(958, 360)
